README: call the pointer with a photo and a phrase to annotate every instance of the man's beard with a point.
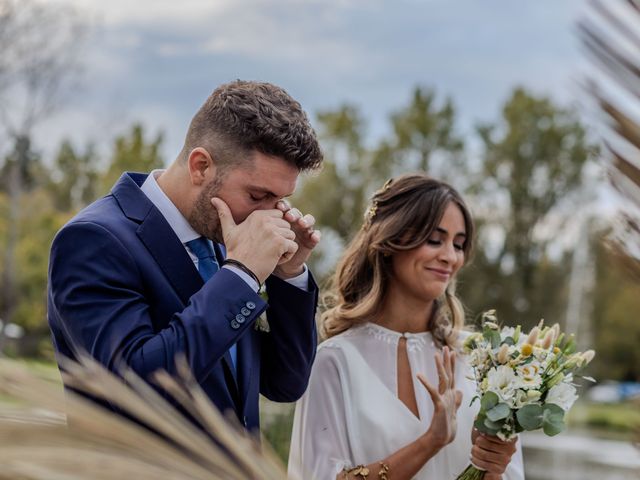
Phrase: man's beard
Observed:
(204, 217)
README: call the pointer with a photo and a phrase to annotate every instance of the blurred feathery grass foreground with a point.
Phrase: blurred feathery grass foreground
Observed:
(37, 444)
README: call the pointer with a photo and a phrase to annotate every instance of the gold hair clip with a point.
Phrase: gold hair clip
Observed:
(370, 214)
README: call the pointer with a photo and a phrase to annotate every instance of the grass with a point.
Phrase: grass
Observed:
(618, 421)
(45, 370)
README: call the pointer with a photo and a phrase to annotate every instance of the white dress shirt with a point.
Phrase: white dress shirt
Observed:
(185, 232)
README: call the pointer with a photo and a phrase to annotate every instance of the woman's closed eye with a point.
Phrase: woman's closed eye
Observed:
(435, 242)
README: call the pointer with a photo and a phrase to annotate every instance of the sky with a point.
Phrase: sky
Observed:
(155, 61)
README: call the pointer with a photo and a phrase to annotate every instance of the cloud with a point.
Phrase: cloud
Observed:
(167, 56)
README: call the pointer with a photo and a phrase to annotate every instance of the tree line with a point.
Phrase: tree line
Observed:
(525, 174)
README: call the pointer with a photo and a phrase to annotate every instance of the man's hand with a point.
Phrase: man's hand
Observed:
(305, 237)
(259, 242)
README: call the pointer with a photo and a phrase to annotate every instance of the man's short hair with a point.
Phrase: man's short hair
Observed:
(243, 116)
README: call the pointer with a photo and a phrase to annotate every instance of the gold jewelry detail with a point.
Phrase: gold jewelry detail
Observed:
(370, 213)
(359, 471)
(384, 470)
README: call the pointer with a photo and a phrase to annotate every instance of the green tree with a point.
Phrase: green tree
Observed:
(31, 259)
(423, 130)
(39, 44)
(616, 329)
(132, 152)
(21, 171)
(74, 178)
(533, 162)
(336, 196)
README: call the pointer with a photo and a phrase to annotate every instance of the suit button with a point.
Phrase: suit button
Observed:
(240, 318)
(235, 325)
(250, 305)
(245, 311)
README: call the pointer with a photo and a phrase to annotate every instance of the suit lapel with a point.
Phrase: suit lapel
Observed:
(157, 235)
(164, 245)
(175, 262)
(170, 255)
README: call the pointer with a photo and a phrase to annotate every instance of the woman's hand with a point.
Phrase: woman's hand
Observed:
(446, 399)
(491, 454)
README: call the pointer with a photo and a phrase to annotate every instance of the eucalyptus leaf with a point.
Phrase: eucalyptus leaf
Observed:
(488, 401)
(479, 423)
(498, 412)
(492, 427)
(552, 419)
(530, 417)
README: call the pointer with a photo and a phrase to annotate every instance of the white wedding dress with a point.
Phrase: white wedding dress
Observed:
(351, 415)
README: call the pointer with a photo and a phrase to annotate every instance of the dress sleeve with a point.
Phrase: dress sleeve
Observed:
(515, 469)
(319, 442)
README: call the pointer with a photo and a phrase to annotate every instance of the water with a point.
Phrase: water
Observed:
(573, 457)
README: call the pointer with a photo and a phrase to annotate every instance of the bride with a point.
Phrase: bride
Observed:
(389, 396)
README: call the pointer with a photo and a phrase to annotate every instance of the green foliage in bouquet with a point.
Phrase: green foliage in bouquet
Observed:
(524, 382)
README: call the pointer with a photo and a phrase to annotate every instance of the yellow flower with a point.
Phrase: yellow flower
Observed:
(527, 350)
(556, 350)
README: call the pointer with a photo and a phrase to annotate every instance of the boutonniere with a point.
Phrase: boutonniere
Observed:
(262, 324)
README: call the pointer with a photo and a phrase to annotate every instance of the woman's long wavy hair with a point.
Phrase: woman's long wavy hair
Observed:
(402, 216)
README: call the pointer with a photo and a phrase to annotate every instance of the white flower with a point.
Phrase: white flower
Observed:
(530, 375)
(502, 381)
(520, 399)
(262, 324)
(562, 395)
(507, 332)
(525, 397)
(533, 395)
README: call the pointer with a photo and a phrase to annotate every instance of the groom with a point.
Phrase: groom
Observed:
(171, 262)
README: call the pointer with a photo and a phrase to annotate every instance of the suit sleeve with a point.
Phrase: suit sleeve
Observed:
(102, 307)
(288, 350)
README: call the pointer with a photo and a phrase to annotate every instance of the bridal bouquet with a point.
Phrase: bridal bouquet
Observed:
(524, 381)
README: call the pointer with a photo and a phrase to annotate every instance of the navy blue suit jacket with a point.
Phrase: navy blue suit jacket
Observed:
(123, 288)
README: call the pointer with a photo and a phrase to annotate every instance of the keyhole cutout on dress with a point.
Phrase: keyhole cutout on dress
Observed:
(406, 392)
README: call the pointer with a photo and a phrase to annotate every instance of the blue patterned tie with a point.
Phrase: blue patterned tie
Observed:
(207, 266)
